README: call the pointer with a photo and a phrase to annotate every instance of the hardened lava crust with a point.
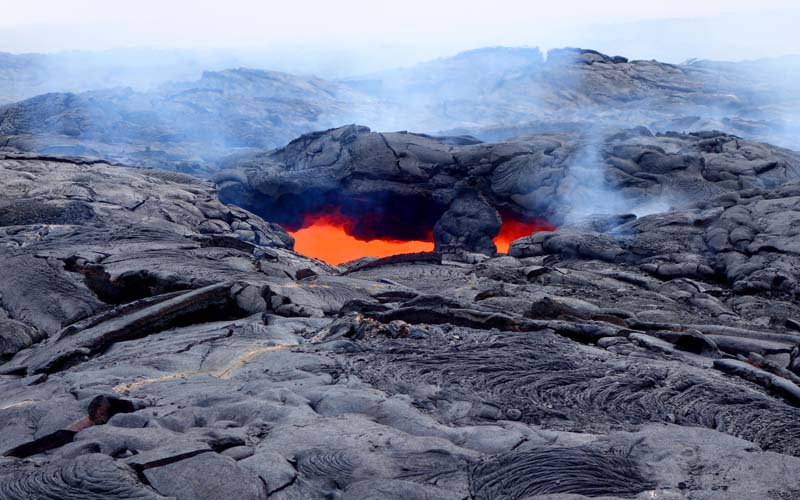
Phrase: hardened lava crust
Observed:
(157, 343)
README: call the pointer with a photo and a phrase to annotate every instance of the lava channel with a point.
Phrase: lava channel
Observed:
(328, 237)
(515, 226)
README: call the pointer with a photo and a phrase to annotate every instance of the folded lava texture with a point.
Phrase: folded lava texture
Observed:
(156, 342)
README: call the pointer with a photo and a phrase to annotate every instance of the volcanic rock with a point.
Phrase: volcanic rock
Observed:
(491, 93)
(472, 211)
(184, 126)
(600, 360)
(421, 183)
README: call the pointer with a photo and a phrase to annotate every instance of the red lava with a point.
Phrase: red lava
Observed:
(326, 237)
(329, 237)
(513, 228)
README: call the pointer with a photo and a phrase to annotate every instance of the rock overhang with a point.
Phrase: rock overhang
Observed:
(407, 186)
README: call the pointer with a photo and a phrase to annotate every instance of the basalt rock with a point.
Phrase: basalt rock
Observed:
(167, 127)
(100, 411)
(420, 183)
(467, 225)
(697, 243)
(542, 471)
(93, 477)
(15, 336)
(491, 93)
(158, 343)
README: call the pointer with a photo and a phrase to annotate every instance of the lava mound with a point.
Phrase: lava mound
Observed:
(464, 195)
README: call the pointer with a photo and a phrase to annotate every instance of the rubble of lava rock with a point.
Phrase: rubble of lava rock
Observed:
(157, 341)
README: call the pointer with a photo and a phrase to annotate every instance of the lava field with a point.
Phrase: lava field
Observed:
(563, 314)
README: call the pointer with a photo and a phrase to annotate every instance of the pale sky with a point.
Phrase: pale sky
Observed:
(667, 30)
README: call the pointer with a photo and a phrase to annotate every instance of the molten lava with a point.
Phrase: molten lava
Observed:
(516, 226)
(327, 237)
(338, 235)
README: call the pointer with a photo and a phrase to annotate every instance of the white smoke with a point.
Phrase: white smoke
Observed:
(586, 190)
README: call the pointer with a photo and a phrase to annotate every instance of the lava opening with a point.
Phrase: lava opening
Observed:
(515, 225)
(336, 229)
(335, 238)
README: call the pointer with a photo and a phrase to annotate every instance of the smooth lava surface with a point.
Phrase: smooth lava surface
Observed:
(325, 238)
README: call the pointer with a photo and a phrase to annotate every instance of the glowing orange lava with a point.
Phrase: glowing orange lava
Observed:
(325, 237)
(513, 228)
